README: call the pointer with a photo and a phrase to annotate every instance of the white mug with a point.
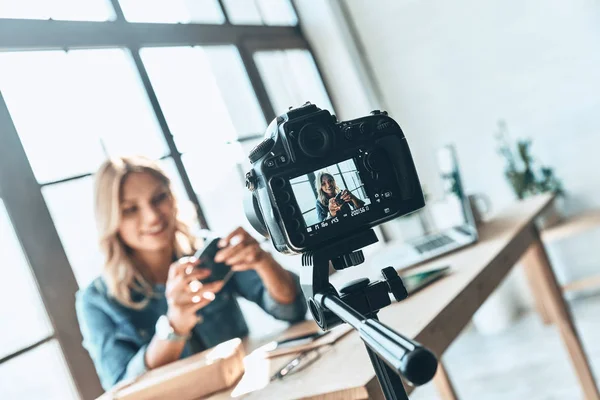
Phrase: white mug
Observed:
(481, 206)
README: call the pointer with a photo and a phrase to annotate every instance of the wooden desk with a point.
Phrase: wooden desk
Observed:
(436, 316)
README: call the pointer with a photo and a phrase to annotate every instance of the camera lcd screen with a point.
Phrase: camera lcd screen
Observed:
(330, 195)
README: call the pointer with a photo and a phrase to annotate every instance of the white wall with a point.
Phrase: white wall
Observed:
(338, 60)
(448, 71)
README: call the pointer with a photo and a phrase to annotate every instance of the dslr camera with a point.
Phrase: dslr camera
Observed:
(308, 158)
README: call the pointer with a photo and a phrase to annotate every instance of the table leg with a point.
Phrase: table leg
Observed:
(561, 315)
(534, 280)
(444, 384)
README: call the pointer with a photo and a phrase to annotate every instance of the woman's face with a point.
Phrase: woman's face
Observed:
(147, 213)
(328, 185)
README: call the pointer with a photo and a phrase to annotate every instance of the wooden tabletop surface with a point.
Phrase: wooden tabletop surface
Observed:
(434, 316)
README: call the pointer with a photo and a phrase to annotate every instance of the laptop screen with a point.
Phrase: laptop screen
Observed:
(446, 210)
(444, 225)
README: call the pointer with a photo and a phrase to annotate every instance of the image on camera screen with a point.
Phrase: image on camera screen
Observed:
(330, 194)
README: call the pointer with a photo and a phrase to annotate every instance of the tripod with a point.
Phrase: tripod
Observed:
(392, 355)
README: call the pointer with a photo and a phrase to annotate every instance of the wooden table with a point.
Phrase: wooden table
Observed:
(436, 316)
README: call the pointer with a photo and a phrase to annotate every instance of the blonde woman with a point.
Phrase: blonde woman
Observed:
(149, 308)
(327, 189)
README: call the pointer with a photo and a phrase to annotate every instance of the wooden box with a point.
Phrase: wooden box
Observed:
(188, 379)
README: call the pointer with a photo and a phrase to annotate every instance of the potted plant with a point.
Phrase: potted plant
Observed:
(527, 176)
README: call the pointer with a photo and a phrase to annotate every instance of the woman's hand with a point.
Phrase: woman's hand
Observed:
(186, 294)
(350, 198)
(334, 207)
(241, 251)
(346, 196)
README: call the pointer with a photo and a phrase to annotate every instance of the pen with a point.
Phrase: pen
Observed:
(289, 367)
(313, 335)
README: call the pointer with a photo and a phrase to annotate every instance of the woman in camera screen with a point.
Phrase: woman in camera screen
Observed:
(331, 200)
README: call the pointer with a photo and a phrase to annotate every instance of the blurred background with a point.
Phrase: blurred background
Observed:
(195, 83)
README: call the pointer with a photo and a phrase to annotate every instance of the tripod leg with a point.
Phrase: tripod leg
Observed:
(391, 383)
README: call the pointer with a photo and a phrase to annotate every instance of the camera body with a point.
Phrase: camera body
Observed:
(308, 158)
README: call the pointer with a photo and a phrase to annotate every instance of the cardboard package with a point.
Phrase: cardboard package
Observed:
(188, 379)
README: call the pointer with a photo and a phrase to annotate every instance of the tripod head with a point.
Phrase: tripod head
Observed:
(357, 303)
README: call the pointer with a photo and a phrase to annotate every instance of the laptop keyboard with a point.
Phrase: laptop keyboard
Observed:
(433, 242)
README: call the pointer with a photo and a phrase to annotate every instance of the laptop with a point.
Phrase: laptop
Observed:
(444, 225)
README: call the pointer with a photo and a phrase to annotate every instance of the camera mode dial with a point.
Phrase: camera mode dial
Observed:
(261, 149)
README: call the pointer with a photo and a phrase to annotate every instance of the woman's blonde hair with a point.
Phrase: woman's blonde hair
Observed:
(120, 274)
(318, 185)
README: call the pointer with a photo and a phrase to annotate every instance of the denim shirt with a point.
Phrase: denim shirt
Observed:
(116, 336)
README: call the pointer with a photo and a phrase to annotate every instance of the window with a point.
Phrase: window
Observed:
(73, 10)
(18, 298)
(72, 108)
(72, 208)
(209, 105)
(260, 12)
(173, 11)
(175, 80)
(40, 373)
(291, 78)
(304, 191)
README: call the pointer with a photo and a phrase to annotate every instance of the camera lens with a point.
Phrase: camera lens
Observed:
(314, 140)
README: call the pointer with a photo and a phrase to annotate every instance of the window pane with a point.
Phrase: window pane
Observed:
(69, 10)
(21, 307)
(277, 12)
(68, 107)
(72, 209)
(259, 12)
(242, 12)
(209, 103)
(219, 183)
(205, 94)
(168, 165)
(38, 374)
(187, 209)
(173, 11)
(291, 78)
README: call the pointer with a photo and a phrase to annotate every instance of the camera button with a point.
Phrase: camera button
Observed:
(285, 197)
(290, 210)
(348, 133)
(295, 224)
(300, 238)
(282, 160)
(270, 163)
(365, 129)
(278, 183)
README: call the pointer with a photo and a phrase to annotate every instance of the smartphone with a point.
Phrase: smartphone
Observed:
(417, 281)
(338, 198)
(206, 255)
